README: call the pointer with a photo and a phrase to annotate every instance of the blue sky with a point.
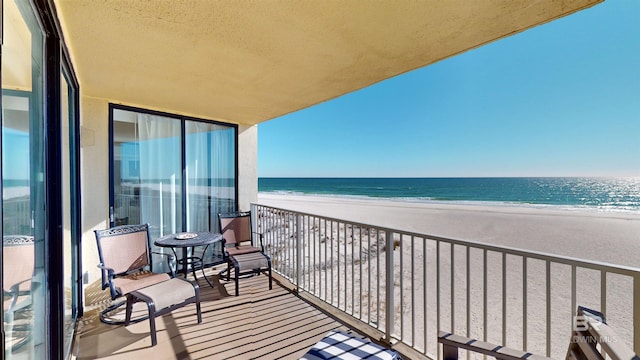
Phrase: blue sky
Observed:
(562, 99)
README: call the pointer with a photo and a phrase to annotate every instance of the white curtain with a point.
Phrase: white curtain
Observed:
(223, 153)
(211, 173)
(197, 172)
(160, 173)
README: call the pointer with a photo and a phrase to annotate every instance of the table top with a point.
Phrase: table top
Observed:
(202, 238)
(339, 345)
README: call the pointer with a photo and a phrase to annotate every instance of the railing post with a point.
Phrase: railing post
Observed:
(298, 251)
(636, 313)
(254, 217)
(389, 289)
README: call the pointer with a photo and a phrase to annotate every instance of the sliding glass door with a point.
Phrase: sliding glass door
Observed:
(174, 173)
(70, 207)
(210, 173)
(40, 185)
(23, 187)
(147, 172)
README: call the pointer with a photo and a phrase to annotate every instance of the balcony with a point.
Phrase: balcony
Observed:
(258, 324)
(334, 274)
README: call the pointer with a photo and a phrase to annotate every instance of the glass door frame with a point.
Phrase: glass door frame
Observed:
(55, 60)
(77, 310)
(182, 120)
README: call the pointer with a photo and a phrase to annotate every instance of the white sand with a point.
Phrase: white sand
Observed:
(600, 236)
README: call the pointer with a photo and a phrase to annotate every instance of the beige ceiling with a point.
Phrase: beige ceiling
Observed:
(250, 61)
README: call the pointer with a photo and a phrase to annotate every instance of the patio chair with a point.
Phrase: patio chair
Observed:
(240, 251)
(18, 252)
(237, 234)
(125, 262)
(591, 339)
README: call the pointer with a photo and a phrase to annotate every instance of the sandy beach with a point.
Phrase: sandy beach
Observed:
(612, 237)
(600, 236)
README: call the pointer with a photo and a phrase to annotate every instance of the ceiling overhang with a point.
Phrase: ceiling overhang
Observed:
(250, 61)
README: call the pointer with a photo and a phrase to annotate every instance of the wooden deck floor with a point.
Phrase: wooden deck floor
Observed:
(258, 324)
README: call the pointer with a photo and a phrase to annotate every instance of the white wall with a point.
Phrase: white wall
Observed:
(247, 166)
(94, 169)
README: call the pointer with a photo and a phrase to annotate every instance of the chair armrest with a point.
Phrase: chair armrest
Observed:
(225, 254)
(14, 293)
(261, 240)
(169, 256)
(107, 275)
(169, 259)
(107, 272)
(451, 343)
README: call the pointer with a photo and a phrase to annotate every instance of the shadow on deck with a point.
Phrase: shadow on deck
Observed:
(258, 324)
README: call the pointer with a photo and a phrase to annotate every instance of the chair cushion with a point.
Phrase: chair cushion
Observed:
(339, 345)
(167, 293)
(244, 249)
(250, 261)
(130, 283)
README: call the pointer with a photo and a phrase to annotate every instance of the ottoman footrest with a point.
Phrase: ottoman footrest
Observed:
(163, 298)
(253, 262)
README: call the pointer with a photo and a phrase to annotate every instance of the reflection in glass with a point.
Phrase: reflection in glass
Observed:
(67, 196)
(210, 169)
(17, 239)
(22, 184)
(210, 172)
(147, 172)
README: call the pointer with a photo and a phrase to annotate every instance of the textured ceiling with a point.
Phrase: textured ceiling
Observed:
(250, 61)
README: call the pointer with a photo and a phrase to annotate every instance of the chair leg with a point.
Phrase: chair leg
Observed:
(228, 270)
(237, 275)
(449, 352)
(196, 288)
(127, 318)
(193, 272)
(152, 323)
(270, 278)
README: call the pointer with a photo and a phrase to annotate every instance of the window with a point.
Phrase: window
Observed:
(23, 186)
(172, 172)
(40, 185)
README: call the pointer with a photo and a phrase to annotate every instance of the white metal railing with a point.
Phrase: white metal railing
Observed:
(16, 216)
(521, 299)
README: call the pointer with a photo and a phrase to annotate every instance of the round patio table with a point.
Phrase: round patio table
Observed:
(188, 240)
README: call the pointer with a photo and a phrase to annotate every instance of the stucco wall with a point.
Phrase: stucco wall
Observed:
(247, 166)
(94, 140)
(94, 168)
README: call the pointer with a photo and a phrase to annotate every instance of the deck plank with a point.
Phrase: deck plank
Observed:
(258, 324)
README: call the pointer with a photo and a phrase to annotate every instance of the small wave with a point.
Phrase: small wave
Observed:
(428, 200)
(586, 194)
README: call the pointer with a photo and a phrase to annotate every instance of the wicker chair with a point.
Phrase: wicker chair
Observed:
(126, 270)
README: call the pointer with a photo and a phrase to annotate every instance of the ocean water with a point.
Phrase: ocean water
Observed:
(603, 194)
